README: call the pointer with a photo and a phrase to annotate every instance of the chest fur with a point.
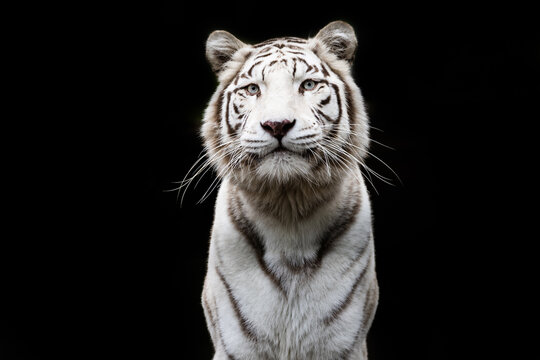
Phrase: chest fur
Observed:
(287, 291)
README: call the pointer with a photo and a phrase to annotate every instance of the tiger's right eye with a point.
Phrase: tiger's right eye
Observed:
(309, 84)
(253, 89)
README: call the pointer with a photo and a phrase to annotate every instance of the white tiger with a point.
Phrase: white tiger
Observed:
(291, 270)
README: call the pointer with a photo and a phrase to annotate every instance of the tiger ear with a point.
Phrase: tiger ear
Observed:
(220, 48)
(339, 38)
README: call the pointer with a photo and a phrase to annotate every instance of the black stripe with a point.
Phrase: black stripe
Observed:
(325, 101)
(219, 107)
(292, 39)
(264, 43)
(370, 306)
(340, 110)
(334, 232)
(304, 61)
(324, 71)
(347, 352)
(362, 329)
(214, 138)
(220, 334)
(326, 117)
(244, 226)
(229, 356)
(342, 305)
(230, 130)
(338, 98)
(209, 310)
(305, 137)
(338, 229)
(303, 266)
(351, 106)
(264, 55)
(317, 116)
(247, 56)
(252, 66)
(269, 42)
(244, 323)
(294, 47)
(361, 251)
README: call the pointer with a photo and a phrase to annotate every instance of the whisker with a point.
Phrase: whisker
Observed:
(344, 162)
(386, 165)
(379, 176)
(236, 158)
(342, 154)
(375, 128)
(199, 169)
(381, 144)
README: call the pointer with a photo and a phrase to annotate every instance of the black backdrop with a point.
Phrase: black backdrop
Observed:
(100, 260)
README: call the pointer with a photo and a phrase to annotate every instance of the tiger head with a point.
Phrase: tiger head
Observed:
(286, 109)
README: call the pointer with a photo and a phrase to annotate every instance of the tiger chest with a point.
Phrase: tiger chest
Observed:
(281, 298)
(303, 321)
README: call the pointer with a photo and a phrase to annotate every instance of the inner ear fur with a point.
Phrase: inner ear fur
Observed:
(340, 39)
(220, 48)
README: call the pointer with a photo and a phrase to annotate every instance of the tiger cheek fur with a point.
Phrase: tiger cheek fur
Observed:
(291, 269)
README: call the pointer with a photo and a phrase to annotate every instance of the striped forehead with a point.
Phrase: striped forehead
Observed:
(280, 47)
(291, 54)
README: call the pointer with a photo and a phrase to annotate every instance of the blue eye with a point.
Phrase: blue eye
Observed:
(309, 84)
(252, 89)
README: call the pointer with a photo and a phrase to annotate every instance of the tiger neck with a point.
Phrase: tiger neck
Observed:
(288, 203)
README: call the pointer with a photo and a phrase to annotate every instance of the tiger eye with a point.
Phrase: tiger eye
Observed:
(253, 89)
(309, 84)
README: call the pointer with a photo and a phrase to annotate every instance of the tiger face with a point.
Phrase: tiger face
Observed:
(286, 109)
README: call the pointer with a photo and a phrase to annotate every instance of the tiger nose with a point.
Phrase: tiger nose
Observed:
(278, 129)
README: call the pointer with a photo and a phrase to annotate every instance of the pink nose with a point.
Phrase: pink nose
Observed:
(278, 129)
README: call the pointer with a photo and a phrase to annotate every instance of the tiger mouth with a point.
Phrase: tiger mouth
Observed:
(282, 151)
(279, 149)
(301, 152)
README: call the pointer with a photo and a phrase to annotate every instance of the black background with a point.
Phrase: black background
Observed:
(99, 260)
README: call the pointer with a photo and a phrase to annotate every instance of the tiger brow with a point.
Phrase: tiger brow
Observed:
(246, 75)
(252, 66)
(310, 68)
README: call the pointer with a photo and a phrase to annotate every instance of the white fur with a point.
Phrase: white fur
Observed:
(291, 202)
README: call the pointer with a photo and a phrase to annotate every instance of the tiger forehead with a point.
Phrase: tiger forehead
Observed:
(278, 49)
(281, 42)
(291, 53)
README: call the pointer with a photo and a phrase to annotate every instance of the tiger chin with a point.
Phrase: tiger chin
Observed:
(291, 268)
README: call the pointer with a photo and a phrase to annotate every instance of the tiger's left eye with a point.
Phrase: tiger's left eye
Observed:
(253, 89)
(309, 84)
